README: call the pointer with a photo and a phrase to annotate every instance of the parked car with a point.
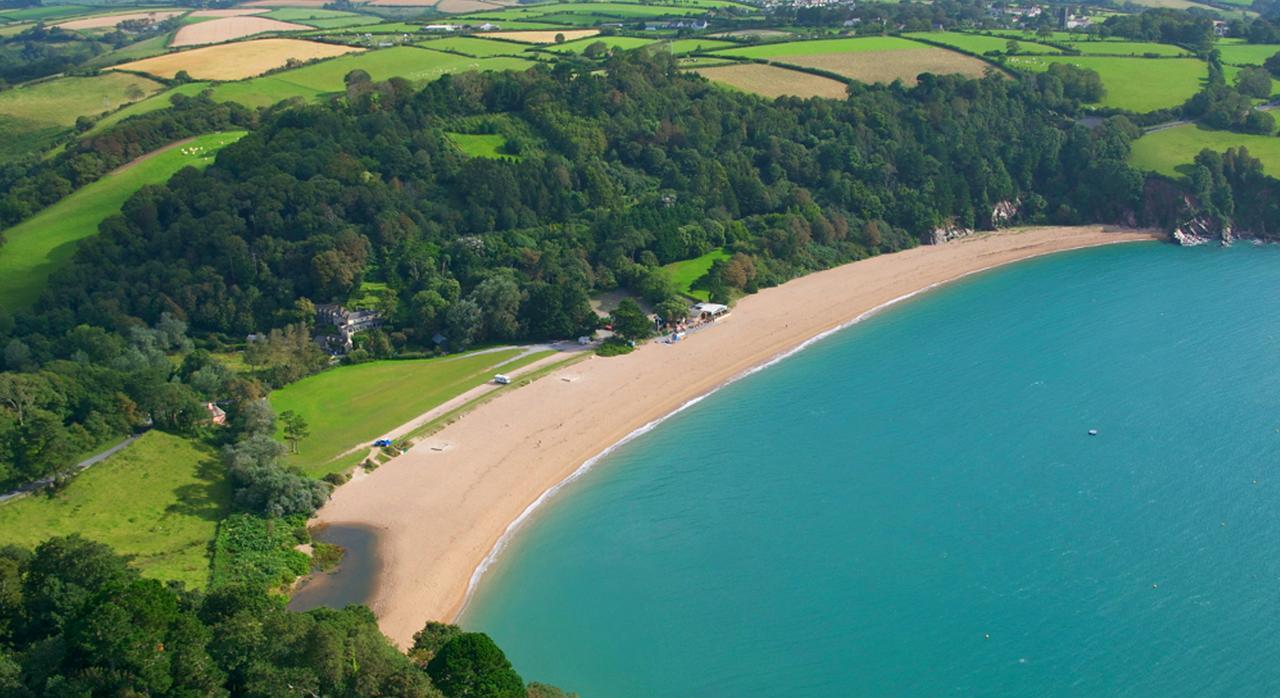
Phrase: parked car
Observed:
(382, 443)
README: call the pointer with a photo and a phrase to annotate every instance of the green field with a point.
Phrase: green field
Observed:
(31, 116)
(480, 145)
(979, 44)
(807, 48)
(1127, 48)
(1164, 151)
(370, 28)
(146, 48)
(1247, 54)
(683, 46)
(475, 46)
(685, 273)
(38, 246)
(45, 12)
(352, 405)
(158, 500)
(622, 42)
(321, 19)
(1136, 84)
(160, 100)
(587, 12)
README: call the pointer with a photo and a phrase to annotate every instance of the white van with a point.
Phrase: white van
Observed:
(501, 379)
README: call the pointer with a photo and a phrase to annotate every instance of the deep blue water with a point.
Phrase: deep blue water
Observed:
(858, 519)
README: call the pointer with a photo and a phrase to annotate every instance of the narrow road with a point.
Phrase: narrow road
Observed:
(78, 467)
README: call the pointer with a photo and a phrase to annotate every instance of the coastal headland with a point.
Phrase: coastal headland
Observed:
(440, 510)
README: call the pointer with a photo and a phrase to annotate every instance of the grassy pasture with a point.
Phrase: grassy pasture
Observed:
(821, 46)
(1137, 84)
(1247, 54)
(772, 81)
(1128, 48)
(32, 116)
(158, 500)
(480, 145)
(44, 12)
(45, 242)
(981, 44)
(620, 42)
(685, 273)
(408, 62)
(369, 28)
(474, 46)
(683, 46)
(351, 405)
(1165, 151)
(160, 100)
(146, 48)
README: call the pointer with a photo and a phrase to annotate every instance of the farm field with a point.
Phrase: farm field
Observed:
(684, 274)
(542, 37)
(981, 44)
(31, 116)
(351, 405)
(683, 46)
(1247, 54)
(44, 12)
(772, 81)
(888, 66)
(1128, 48)
(157, 500)
(235, 61)
(1164, 151)
(472, 46)
(41, 244)
(821, 46)
(108, 21)
(408, 62)
(230, 28)
(234, 12)
(146, 48)
(621, 42)
(160, 100)
(1136, 84)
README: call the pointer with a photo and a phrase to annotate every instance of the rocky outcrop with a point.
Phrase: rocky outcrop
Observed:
(949, 231)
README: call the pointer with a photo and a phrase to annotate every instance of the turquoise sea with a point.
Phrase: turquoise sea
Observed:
(913, 506)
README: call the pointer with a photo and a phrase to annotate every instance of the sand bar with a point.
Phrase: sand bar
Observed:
(439, 513)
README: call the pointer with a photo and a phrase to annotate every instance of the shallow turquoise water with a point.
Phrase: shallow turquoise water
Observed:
(857, 519)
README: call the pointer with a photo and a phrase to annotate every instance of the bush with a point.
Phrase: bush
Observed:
(470, 664)
(258, 552)
(614, 346)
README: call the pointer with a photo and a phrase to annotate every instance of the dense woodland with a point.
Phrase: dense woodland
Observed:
(75, 620)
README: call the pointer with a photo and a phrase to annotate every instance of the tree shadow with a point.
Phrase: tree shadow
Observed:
(208, 499)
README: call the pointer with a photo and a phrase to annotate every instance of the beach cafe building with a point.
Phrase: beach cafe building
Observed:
(707, 312)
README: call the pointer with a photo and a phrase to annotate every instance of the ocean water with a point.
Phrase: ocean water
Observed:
(913, 506)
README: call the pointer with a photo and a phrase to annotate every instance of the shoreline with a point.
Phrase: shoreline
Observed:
(446, 509)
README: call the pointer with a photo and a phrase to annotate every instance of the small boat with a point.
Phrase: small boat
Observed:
(1093, 432)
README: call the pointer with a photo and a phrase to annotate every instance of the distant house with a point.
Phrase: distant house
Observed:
(347, 322)
(217, 416)
(439, 28)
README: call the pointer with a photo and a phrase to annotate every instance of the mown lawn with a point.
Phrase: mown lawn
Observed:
(1164, 151)
(43, 243)
(352, 405)
(1136, 84)
(685, 273)
(159, 500)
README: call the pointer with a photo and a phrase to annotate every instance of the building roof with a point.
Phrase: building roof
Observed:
(712, 308)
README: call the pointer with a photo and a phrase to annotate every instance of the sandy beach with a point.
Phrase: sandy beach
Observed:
(440, 509)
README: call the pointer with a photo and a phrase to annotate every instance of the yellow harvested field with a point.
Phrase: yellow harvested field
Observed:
(772, 81)
(887, 66)
(104, 21)
(542, 37)
(235, 61)
(236, 12)
(230, 28)
(461, 6)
